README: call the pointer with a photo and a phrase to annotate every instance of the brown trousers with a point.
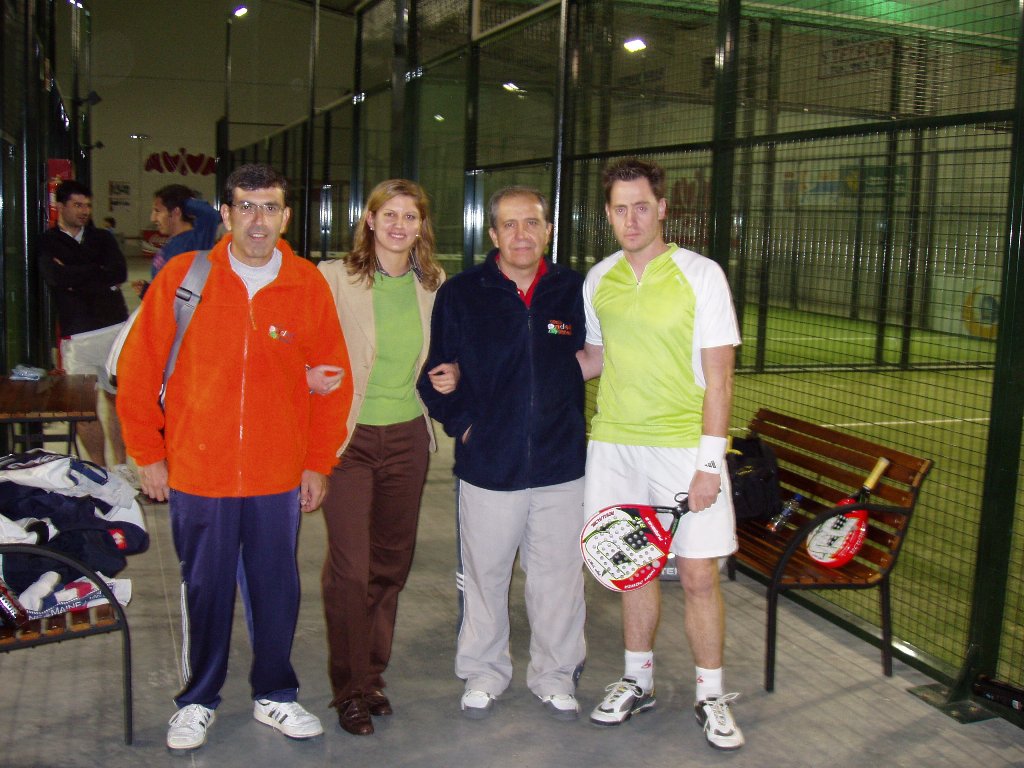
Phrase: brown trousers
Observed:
(371, 511)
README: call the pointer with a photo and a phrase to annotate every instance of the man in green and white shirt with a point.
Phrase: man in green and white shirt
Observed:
(662, 332)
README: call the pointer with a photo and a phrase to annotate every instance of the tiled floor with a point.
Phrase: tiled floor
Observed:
(832, 708)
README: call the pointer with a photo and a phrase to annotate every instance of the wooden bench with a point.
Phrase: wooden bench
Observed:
(826, 466)
(99, 620)
(56, 398)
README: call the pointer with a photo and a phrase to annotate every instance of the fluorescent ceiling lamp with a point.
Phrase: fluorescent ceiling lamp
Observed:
(512, 88)
(635, 45)
(439, 118)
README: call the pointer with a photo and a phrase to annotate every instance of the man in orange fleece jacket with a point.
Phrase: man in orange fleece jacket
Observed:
(240, 446)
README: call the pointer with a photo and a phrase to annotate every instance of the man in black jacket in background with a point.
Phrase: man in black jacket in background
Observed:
(84, 268)
(514, 324)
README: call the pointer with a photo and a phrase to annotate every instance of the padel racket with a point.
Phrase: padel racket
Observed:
(835, 542)
(626, 546)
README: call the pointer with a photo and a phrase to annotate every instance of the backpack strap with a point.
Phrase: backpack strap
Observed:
(186, 299)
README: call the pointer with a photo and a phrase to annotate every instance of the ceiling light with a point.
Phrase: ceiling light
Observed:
(512, 88)
(439, 118)
(240, 11)
(635, 45)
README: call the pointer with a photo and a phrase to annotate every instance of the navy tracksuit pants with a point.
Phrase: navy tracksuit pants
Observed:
(251, 542)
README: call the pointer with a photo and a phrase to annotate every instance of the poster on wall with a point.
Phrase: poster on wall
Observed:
(841, 57)
(57, 170)
(119, 194)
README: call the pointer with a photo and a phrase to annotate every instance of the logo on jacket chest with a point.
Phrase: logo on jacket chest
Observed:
(559, 328)
(281, 334)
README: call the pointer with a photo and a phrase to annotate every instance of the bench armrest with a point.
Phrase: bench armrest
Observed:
(803, 532)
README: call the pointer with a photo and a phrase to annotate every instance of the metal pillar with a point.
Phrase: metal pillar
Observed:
(724, 134)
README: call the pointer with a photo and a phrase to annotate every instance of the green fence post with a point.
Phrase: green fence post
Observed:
(999, 494)
(724, 132)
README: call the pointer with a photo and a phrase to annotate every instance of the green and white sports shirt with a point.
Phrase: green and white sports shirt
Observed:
(652, 330)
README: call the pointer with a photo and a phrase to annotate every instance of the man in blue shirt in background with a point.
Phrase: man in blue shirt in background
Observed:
(189, 222)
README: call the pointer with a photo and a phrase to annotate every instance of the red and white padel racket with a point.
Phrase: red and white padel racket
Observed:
(626, 546)
(835, 542)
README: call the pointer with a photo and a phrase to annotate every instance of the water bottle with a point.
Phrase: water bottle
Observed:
(787, 511)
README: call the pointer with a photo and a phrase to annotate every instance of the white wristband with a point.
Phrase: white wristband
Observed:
(711, 454)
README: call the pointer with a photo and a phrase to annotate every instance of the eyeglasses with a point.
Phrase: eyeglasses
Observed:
(247, 208)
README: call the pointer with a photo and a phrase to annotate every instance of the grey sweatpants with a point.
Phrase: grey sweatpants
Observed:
(543, 526)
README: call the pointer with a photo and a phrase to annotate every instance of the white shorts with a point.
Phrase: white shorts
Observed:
(641, 474)
(87, 353)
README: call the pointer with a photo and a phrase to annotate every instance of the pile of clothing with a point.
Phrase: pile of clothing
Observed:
(74, 507)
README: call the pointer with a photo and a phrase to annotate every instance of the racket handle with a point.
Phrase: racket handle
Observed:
(872, 480)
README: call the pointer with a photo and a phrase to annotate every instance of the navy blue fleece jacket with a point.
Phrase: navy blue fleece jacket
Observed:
(520, 389)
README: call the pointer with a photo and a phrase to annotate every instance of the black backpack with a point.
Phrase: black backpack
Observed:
(754, 473)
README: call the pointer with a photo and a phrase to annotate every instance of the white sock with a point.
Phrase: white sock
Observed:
(709, 682)
(640, 666)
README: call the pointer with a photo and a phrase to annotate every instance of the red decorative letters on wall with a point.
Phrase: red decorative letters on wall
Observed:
(183, 162)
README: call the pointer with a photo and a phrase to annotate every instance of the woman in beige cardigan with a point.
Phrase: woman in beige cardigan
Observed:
(384, 290)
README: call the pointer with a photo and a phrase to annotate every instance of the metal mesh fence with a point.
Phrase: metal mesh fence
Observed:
(843, 63)
(491, 14)
(645, 77)
(376, 33)
(867, 266)
(899, 236)
(516, 94)
(442, 26)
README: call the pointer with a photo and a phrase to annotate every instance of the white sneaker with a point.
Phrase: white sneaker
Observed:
(188, 727)
(127, 474)
(715, 717)
(475, 704)
(624, 699)
(289, 717)
(561, 706)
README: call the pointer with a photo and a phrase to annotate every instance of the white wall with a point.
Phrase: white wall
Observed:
(159, 68)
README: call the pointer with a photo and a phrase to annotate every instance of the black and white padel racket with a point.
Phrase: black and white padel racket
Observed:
(626, 546)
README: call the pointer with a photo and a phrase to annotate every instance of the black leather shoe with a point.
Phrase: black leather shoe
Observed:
(354, 716)
(378, 702)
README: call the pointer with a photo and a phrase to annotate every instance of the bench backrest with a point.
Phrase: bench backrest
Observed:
(826, 466)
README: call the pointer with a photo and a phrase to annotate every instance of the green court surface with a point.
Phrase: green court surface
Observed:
(798, 338)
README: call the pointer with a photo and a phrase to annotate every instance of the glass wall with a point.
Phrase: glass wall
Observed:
(441, 152)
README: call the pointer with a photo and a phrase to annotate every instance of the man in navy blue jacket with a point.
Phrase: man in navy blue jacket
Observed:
(514, 324)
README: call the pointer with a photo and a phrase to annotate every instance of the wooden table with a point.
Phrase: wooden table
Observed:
(55, 399)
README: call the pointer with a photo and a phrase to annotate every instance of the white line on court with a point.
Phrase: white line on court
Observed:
(975, 420)
(824, 338)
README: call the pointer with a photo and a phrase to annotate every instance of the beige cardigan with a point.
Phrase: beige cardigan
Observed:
(354, 302)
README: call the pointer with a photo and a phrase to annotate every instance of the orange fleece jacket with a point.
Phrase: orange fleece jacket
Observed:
(238, 418)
